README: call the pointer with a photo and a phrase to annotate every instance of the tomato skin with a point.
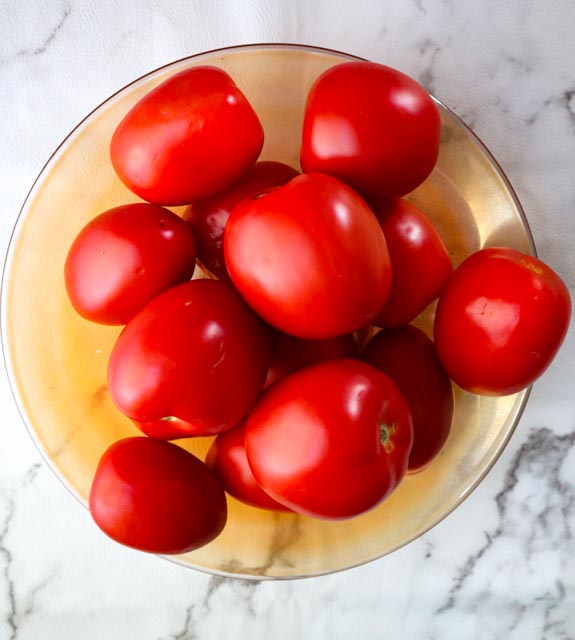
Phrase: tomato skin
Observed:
(123, 258)
(208, 218)
(227, 457)
(372, 127)
(190, 137)
(197, 353)
(309, 257)
(409, 358)
(500, 320)
(156, 497)
(314, 440)
(420, 262)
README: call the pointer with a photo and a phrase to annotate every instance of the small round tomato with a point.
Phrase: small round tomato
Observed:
(420, 262)
(309, 257)
(372, 127)
(195, 353)
(124, 257)
(190, 137)
(500, 320)
(227, 457)
(409, 358)
(208, 218)
(156, 497)
(331, 440)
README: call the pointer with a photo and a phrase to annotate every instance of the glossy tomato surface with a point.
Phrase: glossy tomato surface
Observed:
(331, 440)
(409, 358)
(190, 137)
(420, 262)
(197, 353)
(309, 257)
(208, 218)
(372, 127)
(124, 257)
(227, 457)
(156, 497)
(500, 320)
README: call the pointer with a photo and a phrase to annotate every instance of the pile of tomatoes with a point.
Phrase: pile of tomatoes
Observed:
(296, 351)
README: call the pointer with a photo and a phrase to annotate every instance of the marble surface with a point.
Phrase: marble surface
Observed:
(503, 564)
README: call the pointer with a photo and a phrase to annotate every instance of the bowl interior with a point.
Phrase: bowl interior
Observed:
(57, 361)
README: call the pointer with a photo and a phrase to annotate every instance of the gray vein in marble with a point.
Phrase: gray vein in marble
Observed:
(564, 100)
(43, 46)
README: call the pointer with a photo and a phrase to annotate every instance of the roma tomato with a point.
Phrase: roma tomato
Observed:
(420, 262)
(190, 137)
(331, 440)
(227, 457)
(156, 497)
(372, 127)
(125, 257)
(208, 218)
(500, 320)
(409, 358)
(196, 353)
(309, 257)
(289, 354)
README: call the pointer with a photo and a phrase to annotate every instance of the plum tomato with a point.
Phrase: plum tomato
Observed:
(190, 137)
(195, 353)
(500, 320)
(154, 496)
(208, 217)
(420, 262)
(372, 127)
(409, 358)
(309, 257)
(227, 457)
(123, 258)
(330, 441)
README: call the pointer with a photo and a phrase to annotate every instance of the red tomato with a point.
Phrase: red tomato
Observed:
(123, 258)
(190, 137)
(420, 262)
(330, 441)
(197, 353)
(208, 218)
(409, 358)
(227, 457)
(500, 320)
(289, 354)
(156, 497)
(309, 257)
(372, 127)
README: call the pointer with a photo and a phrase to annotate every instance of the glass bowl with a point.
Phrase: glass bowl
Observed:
(56, 361)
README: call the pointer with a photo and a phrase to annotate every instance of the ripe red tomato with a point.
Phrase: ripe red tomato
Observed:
(331, 440)
(289, 354)
(420, 262)
(125, 257)
(208, 218)
(157, 497)
(197, 353)
(372, 127)
(409, 358)
(190, 137)
(309, 257)
(500, 320)
(227, 457)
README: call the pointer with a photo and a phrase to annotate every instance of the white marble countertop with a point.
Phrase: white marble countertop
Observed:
(503, 564)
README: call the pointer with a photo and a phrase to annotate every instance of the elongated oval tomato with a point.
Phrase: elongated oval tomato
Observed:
(309, 257)
(190, 137)
(124, 257)
(197, 353)
(332, 440)
(409, 358)
(500, 320)
(156, 497)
